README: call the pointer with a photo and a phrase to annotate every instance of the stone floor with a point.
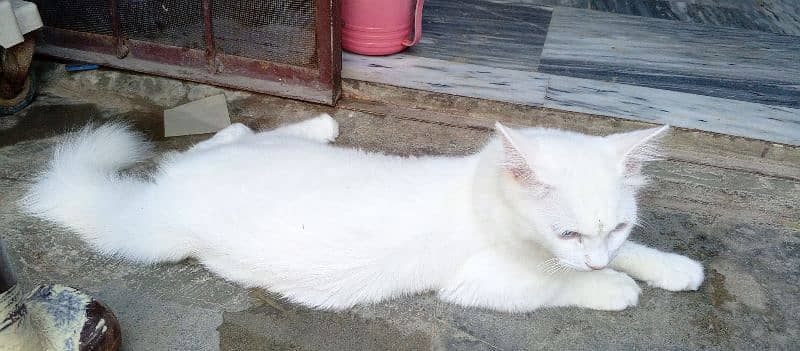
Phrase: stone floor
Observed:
(730, 202)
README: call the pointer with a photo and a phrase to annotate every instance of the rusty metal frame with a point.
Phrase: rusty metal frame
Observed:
(322, 84)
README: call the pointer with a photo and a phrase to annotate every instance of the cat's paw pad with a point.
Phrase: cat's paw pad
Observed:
(612, 291)
(678, 273)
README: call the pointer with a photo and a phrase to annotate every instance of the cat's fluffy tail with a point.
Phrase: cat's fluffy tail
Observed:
(83, 190)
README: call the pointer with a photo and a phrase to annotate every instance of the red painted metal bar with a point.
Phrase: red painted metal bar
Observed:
(208, 37)
(116, 29)
(329, 45)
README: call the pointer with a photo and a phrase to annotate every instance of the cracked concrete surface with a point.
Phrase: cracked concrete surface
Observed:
(732, 203)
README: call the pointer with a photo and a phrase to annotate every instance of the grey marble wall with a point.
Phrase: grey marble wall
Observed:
(773, 16)
(721, 62)
(476, 31)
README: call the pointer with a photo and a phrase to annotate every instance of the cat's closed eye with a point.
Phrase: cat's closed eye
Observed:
(568, 234)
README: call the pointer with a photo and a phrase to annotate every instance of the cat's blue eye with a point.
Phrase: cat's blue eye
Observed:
(569, 234)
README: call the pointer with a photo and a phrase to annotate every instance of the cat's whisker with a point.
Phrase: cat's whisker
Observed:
(646, 226)
(563, 269)
(553, 266)
(547, 262)
(552, 270)
(546, 267)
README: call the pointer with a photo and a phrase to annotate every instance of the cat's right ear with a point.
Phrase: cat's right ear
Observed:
(514, 161)
(637, 147)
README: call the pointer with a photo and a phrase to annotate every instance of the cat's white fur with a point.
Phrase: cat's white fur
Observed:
(332, 227)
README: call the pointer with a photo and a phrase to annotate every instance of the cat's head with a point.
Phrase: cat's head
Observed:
(574, 194)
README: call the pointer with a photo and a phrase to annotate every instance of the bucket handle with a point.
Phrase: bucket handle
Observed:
(417, 25)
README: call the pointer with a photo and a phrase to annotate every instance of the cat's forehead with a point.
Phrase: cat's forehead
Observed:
(561, 154)
(591, 208)
(554, 141)
(583, 170)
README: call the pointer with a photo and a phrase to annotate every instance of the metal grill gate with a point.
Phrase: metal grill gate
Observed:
(289, 48)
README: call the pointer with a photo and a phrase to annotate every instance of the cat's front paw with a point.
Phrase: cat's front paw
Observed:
(678, 273)
(323, 128)
(611, 291)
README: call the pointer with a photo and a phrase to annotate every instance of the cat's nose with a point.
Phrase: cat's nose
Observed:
(596, 268)
(597, 259)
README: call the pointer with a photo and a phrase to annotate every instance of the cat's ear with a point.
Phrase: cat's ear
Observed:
(514, 161)
(635, 148)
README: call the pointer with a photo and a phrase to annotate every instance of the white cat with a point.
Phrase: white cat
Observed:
(539, 217)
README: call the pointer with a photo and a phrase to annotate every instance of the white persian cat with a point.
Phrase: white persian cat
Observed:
(539, 217)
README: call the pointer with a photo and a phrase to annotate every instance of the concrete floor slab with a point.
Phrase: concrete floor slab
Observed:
(729, 202)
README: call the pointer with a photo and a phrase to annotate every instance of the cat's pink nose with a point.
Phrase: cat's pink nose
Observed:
(596, 267)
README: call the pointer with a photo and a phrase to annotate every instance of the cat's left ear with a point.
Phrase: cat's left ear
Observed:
(635, 148)
(514, 161)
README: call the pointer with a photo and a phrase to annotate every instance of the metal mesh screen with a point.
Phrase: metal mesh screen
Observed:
(270, 30)
(284, 47)
(168, 22)
(91, 16)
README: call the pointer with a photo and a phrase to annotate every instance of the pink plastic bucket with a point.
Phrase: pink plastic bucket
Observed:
(380, 27)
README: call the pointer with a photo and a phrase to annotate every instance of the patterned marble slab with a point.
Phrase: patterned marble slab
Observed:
(753, 120)
(773, 16)
(721, 62)
(773, 123)
(462, 79)
(481, 32)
